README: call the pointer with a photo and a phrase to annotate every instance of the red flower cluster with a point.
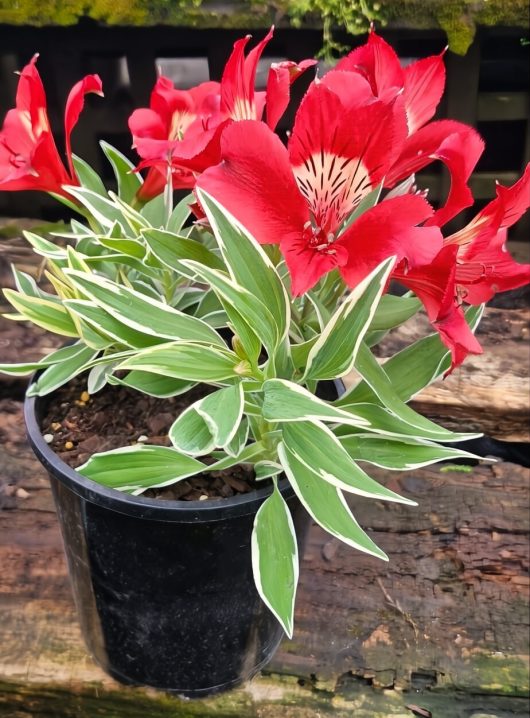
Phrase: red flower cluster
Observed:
(363, 127)
(28, 155)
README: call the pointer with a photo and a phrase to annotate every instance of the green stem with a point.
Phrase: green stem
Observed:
(168, 192)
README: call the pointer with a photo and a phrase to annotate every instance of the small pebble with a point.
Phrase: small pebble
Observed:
(48, 438)
(142, 439)
(56, 425)
(203, 497)
(22, 493)
(85, 396)
(68, 445)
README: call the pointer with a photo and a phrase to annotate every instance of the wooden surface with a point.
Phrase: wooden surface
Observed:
(443, 626)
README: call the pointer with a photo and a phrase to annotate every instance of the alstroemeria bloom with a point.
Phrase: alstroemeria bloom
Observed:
(158, 130)
(484, 265)
(434, 285)
(300, 197)
(201, 114)
(28, 155)
(419, 86)
(472, 267)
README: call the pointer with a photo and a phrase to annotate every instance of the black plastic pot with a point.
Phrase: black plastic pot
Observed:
(164, 589)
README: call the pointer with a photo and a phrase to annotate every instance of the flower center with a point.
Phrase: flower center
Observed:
(317, 238)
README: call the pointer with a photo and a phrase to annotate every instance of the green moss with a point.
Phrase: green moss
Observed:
(458, 18)
(499, 674)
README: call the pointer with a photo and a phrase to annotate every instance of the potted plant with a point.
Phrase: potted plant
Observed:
(235, 315)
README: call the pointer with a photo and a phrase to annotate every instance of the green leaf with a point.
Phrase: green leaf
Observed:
(209, 422)
(275, 558)
(28, 286)
(103, 322)
(285, 401)
(103, 211)
(247, 263)
(130, 247)
(314, 445)
(154, 211)
(44, 313)
(129, 182)
(88, 178)
(44, 247)
(181, 360)
(395, 454)
(415, 367)
(334, 352)
(98, 377)
(382, 421)
(243, 302)
(58, 374)
(267, 469)
(376, 377)
(300, 352)
(326, 504)
(142, 313)
(248, 455)
(153, 384)
(170, 249)
(135, 219)
(56, 357)
(237, 443)
(180, 214)
(136, 468)
(393, 311)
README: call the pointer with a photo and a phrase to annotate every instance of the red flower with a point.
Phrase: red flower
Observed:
(28, 155)
(484, 265)
(472, 267)
(183, 128)
(175, 118)
(299, 197)
(419, 87)
(434, 285)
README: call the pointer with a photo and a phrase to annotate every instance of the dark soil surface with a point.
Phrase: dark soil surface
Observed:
(77, 425)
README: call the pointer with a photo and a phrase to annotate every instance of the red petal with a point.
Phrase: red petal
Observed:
(74, 107)
(377, 62)
(281, 76)
(457, 145)
(28, 155)
(339, 155)
(389, 229)
(166, 100)
(239, 77)
(31, 96)
(352, 89)
(489, 268)
(434, 284)
(306, 266)
(515, 200)
(149, 134)
(424, 83)
(206, 96)
(503, 211)
(255, 183)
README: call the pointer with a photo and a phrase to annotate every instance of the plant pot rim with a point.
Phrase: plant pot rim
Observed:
(168, 510)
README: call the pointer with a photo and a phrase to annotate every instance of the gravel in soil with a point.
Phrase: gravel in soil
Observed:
(77, 425)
